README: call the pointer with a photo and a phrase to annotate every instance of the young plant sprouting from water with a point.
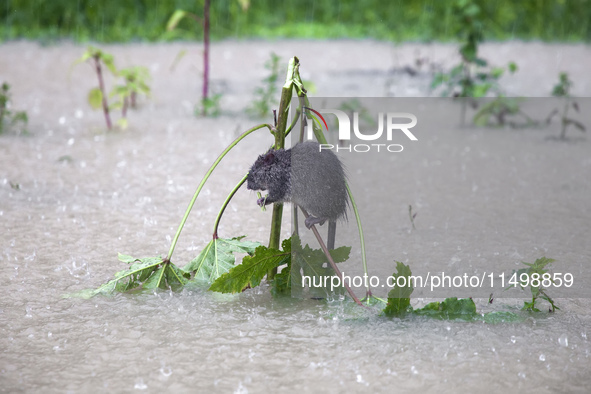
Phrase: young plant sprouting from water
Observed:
(562, 89)
(135, 81)
(537, 278)
(210, 105)
(9, 118)
(472, 77)
(502, 111)
(265, 95)
(97, 97)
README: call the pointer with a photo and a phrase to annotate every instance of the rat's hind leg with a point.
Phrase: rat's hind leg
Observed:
(312, 220)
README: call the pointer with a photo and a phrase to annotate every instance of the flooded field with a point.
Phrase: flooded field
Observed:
(73, 195)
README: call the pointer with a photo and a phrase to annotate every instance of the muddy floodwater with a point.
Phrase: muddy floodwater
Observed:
(73, 195)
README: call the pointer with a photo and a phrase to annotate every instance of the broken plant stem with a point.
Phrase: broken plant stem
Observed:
(205, 178)
(331, 261)
(225, 204)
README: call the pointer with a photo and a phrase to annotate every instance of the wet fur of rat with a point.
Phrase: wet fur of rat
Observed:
(305, 175)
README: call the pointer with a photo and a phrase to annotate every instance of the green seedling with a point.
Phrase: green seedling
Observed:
(265, 95)
(562, 89)
(97, 97)
(537, 278)
(502, 111)
(9, 118)
(473, 77)
(209, 105)
(135, 82)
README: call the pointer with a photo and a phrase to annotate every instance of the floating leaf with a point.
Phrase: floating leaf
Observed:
(217, 258)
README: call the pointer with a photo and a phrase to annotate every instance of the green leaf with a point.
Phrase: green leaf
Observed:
(399, 296)
(95, 98)
(175, 18)
(312, 262)
(450, 308)
(217, 258)
(512, 67)
(147, 273)
(252, 270)
(122, 123)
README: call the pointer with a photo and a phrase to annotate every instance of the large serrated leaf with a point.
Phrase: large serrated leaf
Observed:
(252, 270)
(217, 258)
(147, 273)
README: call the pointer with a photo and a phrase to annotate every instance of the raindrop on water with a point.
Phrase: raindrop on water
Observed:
(166, 371)
(140, 385)
(542, 357)
(563, 341)
(513, 340)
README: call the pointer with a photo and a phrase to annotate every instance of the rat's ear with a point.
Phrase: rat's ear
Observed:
(269, 158)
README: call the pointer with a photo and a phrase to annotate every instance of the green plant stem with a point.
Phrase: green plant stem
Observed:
(279, 133)
(205, 178)
(564, 118)
(225, 204)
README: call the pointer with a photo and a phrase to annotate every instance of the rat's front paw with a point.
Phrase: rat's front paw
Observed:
(261, 201)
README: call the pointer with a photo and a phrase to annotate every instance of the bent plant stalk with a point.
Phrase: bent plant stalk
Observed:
(225, 205)
(202, 183)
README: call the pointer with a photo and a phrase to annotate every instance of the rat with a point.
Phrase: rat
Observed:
(312, 178)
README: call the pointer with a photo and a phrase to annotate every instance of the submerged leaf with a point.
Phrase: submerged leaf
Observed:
(217, 258)
(450, 308)
(147, 273)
